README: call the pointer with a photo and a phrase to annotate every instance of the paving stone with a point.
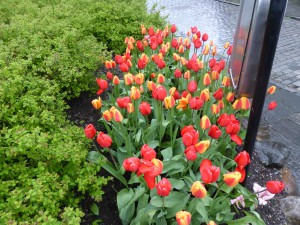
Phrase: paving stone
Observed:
(297, 71)
(291, 207)
(297, 83)
(286, 82)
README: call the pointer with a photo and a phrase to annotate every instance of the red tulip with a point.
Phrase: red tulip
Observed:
(141, 64)
(186, 129)
(190, 153)
(196, 103)
(104, 140)
(233, 127)
(204, 164)
(197, 43)
(173, 28)
(205, 37)
(194, 30)
(210, 174)
(124, 67)
(274, 187)
(242, 159)
(272, 105)
(147, 152)
(145, 108)
(214, 132)
(163, 187)
(160, 64)
(177, 73)
(159, 93)
(212, 62)
(123, 102)
(139, 45)
(190, 138)
(218, 95)
(150, 181)
(102, 83)
(192, 86)
(131, 164)
(109, 75)
(174, 43)
(224, 120)
(237, 139)
(90, 131)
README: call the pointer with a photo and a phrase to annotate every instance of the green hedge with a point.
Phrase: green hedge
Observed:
(49, 50)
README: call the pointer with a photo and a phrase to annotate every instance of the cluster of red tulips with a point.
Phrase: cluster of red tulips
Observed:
(172, 123)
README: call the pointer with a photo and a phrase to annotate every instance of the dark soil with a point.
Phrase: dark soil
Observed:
(82, 113)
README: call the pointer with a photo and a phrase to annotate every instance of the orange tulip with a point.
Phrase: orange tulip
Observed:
(97, 103)
(184, 102)
(204, 95)
(139, 78)
(151, 85)
(135, 93)
(116, 80)
(176, 57)
(215, 109)
(206, 79)
(226, 45)
(232, 178)
(226, 82)
(181, 49)
(130, 108)
(215, 75)
(107, 115)
(198, 190)
(205, 50)
(143, 30)
(241, 103)
(128, 78)
(169, 102)
(205, 122)
(183, 218)
(186, 42)
(202, 146)
(271, 90)
(160, 78)
(183, 61)
(187, 74)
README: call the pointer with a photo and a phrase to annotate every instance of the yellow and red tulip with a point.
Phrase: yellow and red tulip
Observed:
(97, 103)
(202, 146)
(232, 178)
(198, 190)
(205, 122)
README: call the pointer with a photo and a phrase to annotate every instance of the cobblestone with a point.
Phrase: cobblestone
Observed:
(219, 20)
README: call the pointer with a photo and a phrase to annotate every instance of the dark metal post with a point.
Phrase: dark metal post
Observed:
(275, 17)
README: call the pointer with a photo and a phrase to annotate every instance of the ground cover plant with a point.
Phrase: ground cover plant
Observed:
(48, 55)
(172, 128)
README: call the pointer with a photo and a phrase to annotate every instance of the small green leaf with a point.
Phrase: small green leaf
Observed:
(94, 209)
(115, 173)
(96, 222)
(167, 153)
(176, 183)
(94, 157)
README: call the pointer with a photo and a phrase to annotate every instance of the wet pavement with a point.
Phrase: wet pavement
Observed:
(218, 19)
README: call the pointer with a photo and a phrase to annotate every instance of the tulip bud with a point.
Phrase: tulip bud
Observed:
(157, 167)
(145, 108)
(117, 115)
(141, 64)
(198, 190)
(211, 223)
(275, 187)
(163, 187)
(226, 45)
(151, 85)
(205, 50)
(143, 30)
(187, 74)
(128, 78)
(215, 75)
(90, 131)
(223, 120)
(271, 90)
(205, 122)
(181, 49)
(131, 164)
(272, 105)
(123, 102)
(202, 146)
(173, 28)
(97, 103)
(192, 86)
(242, 159)
(124, 67)
(235, 138)
(210, 174)
(183, 218)
(241, 103)
(232, 178)
(139, 45)
(107, 115)
(183, 61)
(104, 140)
(159, 93)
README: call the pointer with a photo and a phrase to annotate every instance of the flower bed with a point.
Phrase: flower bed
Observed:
(172, 125)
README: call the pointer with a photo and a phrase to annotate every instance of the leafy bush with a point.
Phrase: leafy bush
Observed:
(58, 45)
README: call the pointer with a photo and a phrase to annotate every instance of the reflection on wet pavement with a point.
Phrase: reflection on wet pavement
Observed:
(215, 18)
